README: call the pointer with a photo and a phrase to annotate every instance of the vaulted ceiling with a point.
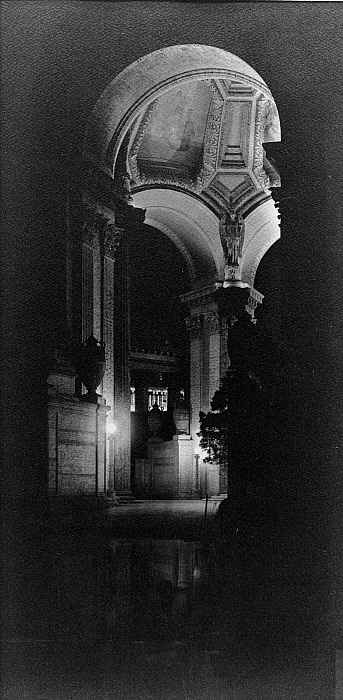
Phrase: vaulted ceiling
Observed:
(206, 137)
(187, 125)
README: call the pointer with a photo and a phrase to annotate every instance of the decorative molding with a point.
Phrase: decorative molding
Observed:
(264, 121)
(201, 301)
(165, 177)
(254, 299)
(133, 154)
(245, 129)
(261, 108)
(241, 194)
(211, 140)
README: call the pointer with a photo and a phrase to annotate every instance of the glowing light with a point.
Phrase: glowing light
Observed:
(111, 428)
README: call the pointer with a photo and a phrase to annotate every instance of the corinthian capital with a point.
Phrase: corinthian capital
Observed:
(111, 239)
(193, 324)
(213, 322)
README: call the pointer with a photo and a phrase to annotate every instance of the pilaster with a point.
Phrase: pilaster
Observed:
(214, 352)
(194, 328)
(109, 222)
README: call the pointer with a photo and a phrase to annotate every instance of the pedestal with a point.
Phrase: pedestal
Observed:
(169, 471)
(77, 444)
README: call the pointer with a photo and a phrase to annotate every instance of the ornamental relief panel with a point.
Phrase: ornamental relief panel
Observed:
(211, 141)
(267, 128)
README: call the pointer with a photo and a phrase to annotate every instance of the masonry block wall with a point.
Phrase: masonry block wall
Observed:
(77, 445)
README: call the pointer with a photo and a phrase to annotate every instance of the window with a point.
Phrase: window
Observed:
(132, 399)
(159, 396)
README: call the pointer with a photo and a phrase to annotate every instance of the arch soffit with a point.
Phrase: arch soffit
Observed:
(262, 230)
(150, 221)
(189, 223)
(150, 76)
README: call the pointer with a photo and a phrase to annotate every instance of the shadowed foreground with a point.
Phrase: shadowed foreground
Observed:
(112, 606)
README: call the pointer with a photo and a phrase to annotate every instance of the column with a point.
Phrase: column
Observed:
(122, 411)
(111, 220)
(194, 327)
(88, 243)
(214, 353)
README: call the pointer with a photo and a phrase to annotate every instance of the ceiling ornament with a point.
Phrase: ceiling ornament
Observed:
(211, 141)
(172, 176)
(133, 153)
(266, 129)
(235, 134)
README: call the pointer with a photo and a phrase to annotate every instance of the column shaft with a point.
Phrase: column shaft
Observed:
(122, 413)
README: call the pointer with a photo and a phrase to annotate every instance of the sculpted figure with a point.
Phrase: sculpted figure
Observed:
(231, 230)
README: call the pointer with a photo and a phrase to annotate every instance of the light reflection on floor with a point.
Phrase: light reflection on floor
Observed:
(165, 619)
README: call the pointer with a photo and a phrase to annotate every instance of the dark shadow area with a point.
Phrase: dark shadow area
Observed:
(158, 275)
(210, 613)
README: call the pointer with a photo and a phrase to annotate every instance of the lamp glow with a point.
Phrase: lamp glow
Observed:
(110, 428)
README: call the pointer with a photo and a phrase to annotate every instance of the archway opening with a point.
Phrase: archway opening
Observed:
(159, 343)
(179, 136)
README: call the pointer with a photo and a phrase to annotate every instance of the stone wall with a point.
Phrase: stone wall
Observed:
(77, 445)
(169, 471)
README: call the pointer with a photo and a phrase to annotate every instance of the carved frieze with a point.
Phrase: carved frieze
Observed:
(266, 129)
(168, 177)
(261, 108)
(211, 140)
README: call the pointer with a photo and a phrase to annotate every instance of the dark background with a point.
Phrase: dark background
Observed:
(158, 275)
(57, 58)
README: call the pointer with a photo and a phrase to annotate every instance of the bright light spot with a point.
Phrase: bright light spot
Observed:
(111, 428)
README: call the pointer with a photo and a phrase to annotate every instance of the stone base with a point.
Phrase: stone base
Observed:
(124, 497)
(77, 445)
(169, 471)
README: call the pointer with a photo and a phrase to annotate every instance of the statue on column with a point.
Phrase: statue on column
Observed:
(231, 230)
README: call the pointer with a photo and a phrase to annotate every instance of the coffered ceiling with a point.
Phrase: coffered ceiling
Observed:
(206, 137)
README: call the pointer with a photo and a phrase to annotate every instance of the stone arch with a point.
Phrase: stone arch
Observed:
(129, 94)
(232, 167)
